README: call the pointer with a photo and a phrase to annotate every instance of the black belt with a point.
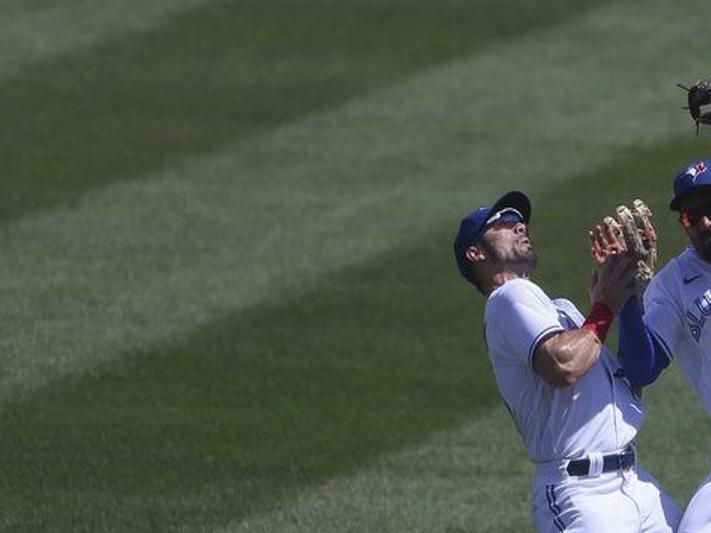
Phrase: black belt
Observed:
(610, 463)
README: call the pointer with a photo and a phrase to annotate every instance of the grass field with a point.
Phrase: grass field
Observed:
(228, 297)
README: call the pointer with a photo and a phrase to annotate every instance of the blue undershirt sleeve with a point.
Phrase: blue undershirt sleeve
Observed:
(642, 356)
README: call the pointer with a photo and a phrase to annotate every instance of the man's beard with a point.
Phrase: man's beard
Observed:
(527, 260)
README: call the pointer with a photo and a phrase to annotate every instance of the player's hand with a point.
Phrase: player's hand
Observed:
(604, 241)
(613, 282)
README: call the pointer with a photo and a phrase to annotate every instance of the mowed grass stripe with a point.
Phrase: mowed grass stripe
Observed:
(258, 410)
(474, 478)
(217, 72)
(201, 433)
(152, 260)
(477, 477)
(38, 32)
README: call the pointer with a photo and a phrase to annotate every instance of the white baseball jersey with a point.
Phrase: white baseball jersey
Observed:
(678, 311)
(599, 413)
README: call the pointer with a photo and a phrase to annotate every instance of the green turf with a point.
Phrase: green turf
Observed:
(265, 404)
(154, 259)
(34, 32)
(220, 72)
(146, 388)
(258, 403)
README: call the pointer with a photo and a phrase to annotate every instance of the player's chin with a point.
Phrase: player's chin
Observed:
(529, 258)
(532, 259)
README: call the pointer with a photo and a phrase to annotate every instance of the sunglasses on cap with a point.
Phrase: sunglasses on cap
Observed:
(692, 216)
(508, 215)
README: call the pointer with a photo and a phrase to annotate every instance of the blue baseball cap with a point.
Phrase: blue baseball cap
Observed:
(695, 176)
(473, 226)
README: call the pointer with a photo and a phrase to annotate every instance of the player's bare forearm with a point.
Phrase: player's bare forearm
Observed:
(564, 358)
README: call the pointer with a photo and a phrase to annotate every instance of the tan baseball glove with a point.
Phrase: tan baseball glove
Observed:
(630, 231)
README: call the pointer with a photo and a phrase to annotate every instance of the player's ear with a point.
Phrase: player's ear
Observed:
(475, 254)
(685, 220)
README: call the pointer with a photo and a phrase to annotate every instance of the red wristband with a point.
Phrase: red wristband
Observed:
(599, 320)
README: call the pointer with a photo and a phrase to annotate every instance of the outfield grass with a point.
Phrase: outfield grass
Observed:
(218, 72)
(229, 302)
(267, 404)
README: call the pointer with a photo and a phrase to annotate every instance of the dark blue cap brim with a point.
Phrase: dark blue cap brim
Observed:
(675, 204)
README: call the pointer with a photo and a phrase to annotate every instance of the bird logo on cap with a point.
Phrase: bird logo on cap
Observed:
(695, 170)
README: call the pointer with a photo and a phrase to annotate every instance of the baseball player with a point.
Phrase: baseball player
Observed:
(571, 403)
(677, 306)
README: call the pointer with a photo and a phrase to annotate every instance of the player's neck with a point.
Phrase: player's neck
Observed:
(499, 278)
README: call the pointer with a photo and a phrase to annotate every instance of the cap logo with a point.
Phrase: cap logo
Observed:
(695, 170)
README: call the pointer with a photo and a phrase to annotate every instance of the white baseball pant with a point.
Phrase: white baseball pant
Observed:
(616, 502)
(697, 517)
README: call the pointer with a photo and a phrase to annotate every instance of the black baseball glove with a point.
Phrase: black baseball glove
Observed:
(699, 95)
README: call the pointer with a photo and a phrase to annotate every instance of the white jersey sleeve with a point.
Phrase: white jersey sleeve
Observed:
(518, 317)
